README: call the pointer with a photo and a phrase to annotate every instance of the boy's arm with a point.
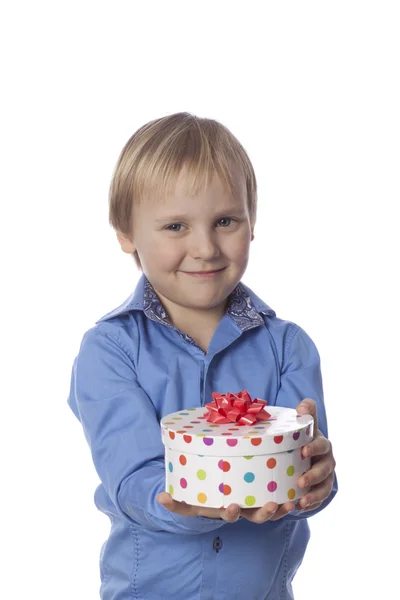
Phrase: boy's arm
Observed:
(123, 432)
(301, 378)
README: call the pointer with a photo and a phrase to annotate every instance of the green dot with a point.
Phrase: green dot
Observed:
(290, 471)
(248, 457)
(201, 474)
(171, 490)
(249, 500)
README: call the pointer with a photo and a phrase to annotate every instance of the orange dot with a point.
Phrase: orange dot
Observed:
(227, 490)
(187, 438)
(278, 439)
(291, 494)
(271, 463)
(171, 434)
(256, 441)
(182, 459)
(226, 466)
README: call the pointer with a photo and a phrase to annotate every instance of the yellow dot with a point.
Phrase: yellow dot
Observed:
(171, 490)
(249, 500)
(291, 494)
(290, 470)
(202, 498)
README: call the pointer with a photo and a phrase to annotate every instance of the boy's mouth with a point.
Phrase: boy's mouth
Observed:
(205, 274)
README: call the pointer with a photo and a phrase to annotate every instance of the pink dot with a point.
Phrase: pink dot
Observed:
(272, 486)
(232, 442)
(221, 462)
(227, 433)
(183, 483)
(296, 435)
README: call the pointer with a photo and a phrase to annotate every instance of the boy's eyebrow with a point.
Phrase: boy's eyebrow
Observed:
(222, 213)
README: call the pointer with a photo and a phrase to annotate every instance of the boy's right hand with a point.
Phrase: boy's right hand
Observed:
(269, 512)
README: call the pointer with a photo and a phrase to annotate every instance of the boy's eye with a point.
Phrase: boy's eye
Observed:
(174, 227)
(225, 222)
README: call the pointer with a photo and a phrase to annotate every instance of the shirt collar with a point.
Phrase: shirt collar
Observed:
(244, 307)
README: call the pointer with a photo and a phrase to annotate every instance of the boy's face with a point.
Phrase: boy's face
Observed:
(193, 250)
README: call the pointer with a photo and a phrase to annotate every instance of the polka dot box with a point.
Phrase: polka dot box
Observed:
(217, 465)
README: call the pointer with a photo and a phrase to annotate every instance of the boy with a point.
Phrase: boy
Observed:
(183, 203)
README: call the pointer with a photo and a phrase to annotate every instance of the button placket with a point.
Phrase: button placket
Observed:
(217, 544)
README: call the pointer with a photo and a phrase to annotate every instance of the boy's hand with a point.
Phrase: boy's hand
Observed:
(229, 514)
(269, 512)
(321, 475)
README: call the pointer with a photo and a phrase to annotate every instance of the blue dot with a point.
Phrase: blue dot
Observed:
(289, 451)
(170, 467)
(206, 429)
(249, 477)
(185, 414)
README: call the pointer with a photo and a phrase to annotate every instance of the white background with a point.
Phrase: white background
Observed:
(312, 91)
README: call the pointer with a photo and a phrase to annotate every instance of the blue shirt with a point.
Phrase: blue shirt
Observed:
(133, 368)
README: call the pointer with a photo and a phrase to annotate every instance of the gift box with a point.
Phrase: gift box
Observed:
(235, 450)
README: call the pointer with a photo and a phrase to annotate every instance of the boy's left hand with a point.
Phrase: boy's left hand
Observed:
(320, 477)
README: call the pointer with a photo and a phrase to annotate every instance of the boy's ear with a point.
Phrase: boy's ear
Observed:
(126, 243)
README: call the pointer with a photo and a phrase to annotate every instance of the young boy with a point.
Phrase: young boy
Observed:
(183, 203)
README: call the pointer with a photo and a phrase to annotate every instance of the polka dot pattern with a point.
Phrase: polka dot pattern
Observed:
(215, 465)
(220, 482)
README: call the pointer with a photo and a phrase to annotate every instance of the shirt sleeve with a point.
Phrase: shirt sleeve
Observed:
(121, 427)
(301, 378)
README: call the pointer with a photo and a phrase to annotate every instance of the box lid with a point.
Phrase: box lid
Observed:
(189, 431)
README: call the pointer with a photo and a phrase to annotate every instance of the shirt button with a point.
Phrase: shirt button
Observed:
(217, 544)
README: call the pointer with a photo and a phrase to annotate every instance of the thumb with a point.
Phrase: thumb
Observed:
(308, 407)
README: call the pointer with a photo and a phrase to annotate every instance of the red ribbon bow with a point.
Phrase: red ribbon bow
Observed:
(236, 408)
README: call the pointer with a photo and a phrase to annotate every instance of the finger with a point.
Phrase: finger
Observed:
(261, 514)
(320, 470)
(308, 407)
(180, 508)
(318, 493)
(319, 445)
(309, 508)
(230, 514)
(283, 510)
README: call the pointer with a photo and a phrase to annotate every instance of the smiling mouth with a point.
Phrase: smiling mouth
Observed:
(204, 272)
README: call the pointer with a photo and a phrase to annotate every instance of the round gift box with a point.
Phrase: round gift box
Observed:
(217, 465)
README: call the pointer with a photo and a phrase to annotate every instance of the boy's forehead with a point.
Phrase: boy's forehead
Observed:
(181, 191)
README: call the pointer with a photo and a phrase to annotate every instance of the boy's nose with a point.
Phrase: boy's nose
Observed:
(204, 247)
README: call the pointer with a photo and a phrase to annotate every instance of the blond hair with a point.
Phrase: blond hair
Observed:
(153, 157)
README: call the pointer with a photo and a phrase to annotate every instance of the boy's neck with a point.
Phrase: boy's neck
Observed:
(200, 325)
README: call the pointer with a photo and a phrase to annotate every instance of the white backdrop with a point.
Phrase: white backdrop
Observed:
(312, 91)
